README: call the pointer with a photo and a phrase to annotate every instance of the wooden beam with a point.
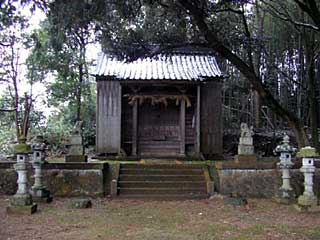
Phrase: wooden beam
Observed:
(182, 126)
(135, 128)
(197, 147)
(157, 82)
(120, 114)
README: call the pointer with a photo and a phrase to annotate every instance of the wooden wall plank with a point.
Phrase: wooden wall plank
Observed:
(211, 119)
(108, 137)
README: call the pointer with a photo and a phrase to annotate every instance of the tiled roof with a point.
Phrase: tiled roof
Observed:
(171, 66)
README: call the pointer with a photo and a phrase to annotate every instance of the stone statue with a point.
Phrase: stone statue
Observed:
(246, 131)
(75, 146)
(245, 146)
(77, 129)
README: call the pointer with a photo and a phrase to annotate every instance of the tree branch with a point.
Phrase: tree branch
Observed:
(266, 96)
(7, 110)
(311, 8)
(275, 12)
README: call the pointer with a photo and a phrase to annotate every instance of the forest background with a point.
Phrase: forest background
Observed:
(268, 50)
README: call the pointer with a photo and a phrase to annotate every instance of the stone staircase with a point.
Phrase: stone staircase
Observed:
(162, 181)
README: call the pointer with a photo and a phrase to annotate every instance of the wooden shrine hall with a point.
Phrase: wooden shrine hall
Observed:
(169, 105)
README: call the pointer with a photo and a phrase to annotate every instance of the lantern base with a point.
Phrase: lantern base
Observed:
(21, 200)
(285, 196)
(41, 195)
(22, 210)
(306, 201)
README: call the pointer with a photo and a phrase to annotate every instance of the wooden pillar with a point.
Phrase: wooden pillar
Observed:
(197, 145)
(135, 128)
(182, 127)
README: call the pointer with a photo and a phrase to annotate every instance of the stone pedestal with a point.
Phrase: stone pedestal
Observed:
(308, 198)
(75, 149)
(285, 193)
(38, 190)
(245, 149)
(21, 202)
(246, 159)
(76, 158)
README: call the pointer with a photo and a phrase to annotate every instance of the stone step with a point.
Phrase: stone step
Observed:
(164, 197)
(164, 191)
(162, 184)
(152, 171)
(134, 177)
(162, 181)
(161, 166)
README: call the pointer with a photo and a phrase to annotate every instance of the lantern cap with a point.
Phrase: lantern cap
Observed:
(38, 143)
(22, 148)
(308, 152)
(285, 146)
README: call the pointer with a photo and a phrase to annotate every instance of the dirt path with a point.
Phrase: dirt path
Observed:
(185, 220)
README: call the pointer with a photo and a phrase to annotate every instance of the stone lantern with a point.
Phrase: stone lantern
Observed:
(21, 202)
(245, 148)
(285, 193)
(38, 190)
(307, 199)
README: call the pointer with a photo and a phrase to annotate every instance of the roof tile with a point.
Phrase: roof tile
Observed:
(177, 66)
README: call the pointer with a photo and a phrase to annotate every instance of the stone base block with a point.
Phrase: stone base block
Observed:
(47, 199)
(76, 158)
(245, 149)
(76, 140)
(245, 159)
(21, 200)
(210, 187)
(114, 188)
(285, 196)
(76, 150)
(39, 192)
(22, 210)
(81, 203)
(307, 201)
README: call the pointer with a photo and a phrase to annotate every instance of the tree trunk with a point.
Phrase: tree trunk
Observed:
(249, 73)
(79, 92)
(257, 63)
(310, 55)
(15, 86)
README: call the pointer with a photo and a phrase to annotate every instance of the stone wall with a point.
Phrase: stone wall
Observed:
(261, 183)
(247, 182)
(93, 179)
(62, 179)
(8, 179)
